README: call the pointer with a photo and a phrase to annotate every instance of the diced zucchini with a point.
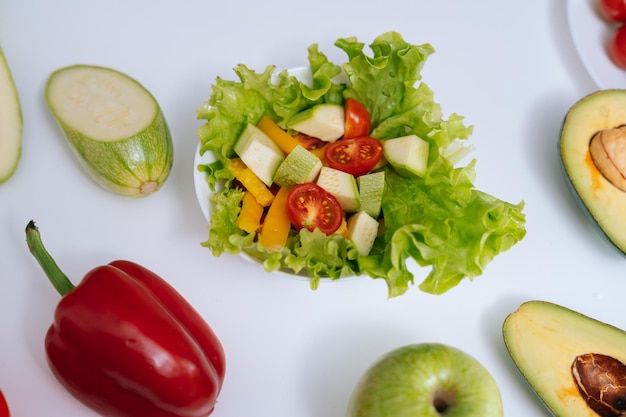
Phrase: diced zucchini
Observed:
(324, 121)
(298, 167)
(362, 231)
(407, 153)
(342, 185)
(371, 190)
(259, 153)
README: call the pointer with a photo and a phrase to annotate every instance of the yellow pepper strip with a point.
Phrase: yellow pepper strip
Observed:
(284, 140)
(249, 218)
(276, 225)
(252, 183)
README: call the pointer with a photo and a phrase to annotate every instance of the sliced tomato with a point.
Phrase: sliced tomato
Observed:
(309, 206)
(356, 156)
(357, 119)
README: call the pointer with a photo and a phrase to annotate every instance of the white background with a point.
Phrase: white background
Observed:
(512, 71)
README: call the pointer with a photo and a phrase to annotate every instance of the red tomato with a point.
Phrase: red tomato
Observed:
(357, 121)
(617, 47)
(310, 143)
(4, 408)
(356, 156)
(309, 206)
(613, 10)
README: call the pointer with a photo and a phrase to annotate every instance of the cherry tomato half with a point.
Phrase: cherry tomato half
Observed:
(356, 156)
(357, 119)
(309, 206)
(617, 47)
(4, 407)
(613, 10)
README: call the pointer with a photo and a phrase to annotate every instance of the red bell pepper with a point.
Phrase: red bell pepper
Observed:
(4, 407)
(127, 344)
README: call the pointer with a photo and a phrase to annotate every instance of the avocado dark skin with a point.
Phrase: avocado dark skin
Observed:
(573, 362)
(592, 149)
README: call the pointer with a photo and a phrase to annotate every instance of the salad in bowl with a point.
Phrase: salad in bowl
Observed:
(349, 170)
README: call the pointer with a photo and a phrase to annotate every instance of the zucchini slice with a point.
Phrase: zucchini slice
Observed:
(10, 122)
(114, 125)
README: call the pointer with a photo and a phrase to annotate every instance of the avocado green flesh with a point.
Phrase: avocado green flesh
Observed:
(604, 203)
(544, 338)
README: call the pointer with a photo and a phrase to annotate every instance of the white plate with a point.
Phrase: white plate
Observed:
(591, 34)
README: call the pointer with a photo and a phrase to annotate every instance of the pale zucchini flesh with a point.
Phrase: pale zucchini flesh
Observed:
(101, 104)
(10, 122)
(407, 153)
(362, 231)
(324, 121)
(341, 185)
(114, 125)
(259, 152)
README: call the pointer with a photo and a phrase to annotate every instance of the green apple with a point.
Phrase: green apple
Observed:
(10, 122)
(426, 380)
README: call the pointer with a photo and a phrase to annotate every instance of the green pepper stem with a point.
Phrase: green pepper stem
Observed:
(59, 280)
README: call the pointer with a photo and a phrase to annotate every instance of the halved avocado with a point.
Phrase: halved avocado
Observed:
(594, 176)
(566, 356)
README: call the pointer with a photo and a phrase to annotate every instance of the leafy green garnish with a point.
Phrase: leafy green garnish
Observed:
(440, 220)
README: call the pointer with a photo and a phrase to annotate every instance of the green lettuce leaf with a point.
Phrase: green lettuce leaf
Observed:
(439, 221)
(450, 226)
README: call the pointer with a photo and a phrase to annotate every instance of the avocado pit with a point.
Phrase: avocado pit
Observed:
(608, 152)
(601, 381)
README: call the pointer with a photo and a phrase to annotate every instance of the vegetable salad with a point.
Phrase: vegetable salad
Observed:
(439, 219)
